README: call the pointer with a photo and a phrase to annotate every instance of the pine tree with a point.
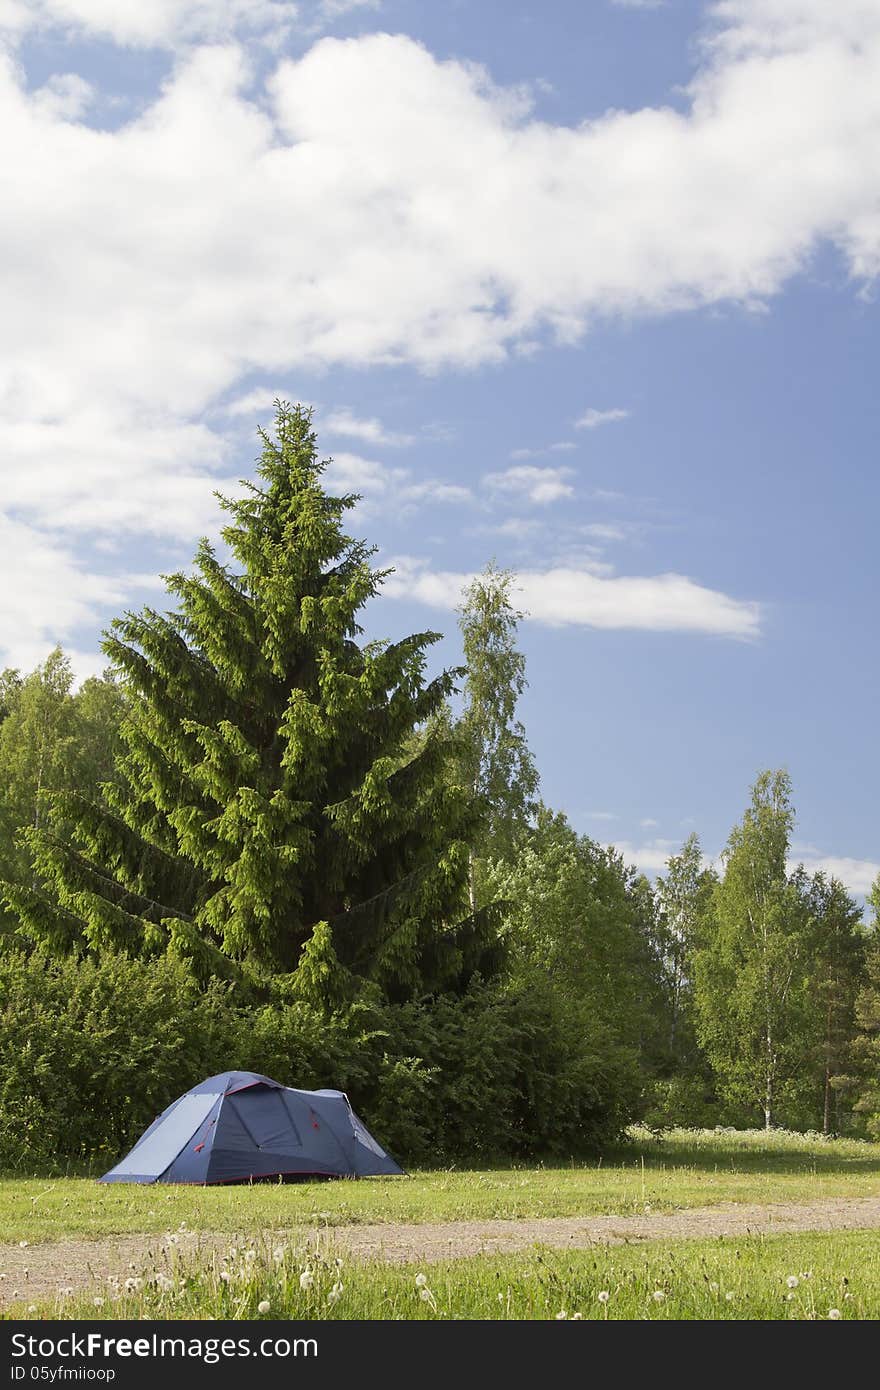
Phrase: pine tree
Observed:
(273, 814)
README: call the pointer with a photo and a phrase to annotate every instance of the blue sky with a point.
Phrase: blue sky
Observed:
(585, 287)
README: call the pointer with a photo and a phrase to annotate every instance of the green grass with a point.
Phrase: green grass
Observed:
(780, 1277)
(684, 1169)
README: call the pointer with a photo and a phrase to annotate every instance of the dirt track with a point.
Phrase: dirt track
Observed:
(37, 1272)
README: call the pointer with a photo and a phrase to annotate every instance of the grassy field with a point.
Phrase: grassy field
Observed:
(683, 1169)
(779, 1277)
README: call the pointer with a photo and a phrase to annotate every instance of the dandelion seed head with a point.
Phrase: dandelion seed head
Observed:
(264, 1305)
(425, 1294)
(98, 1302)
(421, 1281)
(834, 1314)
(792, 1281)
(603, 1296)
(659, 1296)
(561, 1315)
(306, 1279)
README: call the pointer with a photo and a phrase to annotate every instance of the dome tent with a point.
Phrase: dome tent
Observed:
(238, 1126)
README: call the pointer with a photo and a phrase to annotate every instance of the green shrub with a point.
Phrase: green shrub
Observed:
(92, 1050)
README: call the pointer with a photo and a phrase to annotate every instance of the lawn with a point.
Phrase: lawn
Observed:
(683, 1169)
(779, 1277)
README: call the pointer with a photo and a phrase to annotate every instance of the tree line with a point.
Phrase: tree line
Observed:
(308, 838)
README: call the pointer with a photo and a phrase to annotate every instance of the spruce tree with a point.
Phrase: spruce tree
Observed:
(274, 813)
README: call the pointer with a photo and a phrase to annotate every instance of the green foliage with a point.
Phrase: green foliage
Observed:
(684, 905)
(583, 923)
(866, 1045)
(91, 1051)
(50, 740)
(496, 759)
(271, 785)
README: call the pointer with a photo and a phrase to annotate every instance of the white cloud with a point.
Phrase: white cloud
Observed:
(47, 594)
(649, 823)
(564, 446)
(158, 23)
(639, 4)
(650, 858)
(239, 226)
(335, 9)
(592, 418)
(538, 485)
(99, 471)
(602, 815)
(371, 430)
(392, 488)
(578, 597)
(858, 875)
(259, 401)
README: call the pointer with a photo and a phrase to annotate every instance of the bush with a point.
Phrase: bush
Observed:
(92, 1050)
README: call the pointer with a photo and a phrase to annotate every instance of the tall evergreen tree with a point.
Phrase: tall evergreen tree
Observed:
(752, 973)
(273, 814)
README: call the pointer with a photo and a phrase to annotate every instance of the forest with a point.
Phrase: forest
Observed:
(261, 841)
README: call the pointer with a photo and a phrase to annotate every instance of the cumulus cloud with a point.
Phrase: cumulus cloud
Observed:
(650, 858)
(395, 489)
(158, 23)
(241, 224)
(579, 597)
(538, 485)
(371, 430)
(46, 594)
(563, 446)
(592, 418)
(858, 875)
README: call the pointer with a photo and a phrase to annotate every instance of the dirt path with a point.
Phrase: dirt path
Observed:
(38, 1272)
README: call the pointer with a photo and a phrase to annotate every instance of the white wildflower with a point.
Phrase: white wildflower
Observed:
(603, 1296)
(23, 1244)
(834, 1314)
(659, 1296)
(32, 1308)
(335, 1293)
(561, 1316)
(278, 1254)
(577, 1317)
(729, 1296)
(792, 1281)
(421, 1281)
(263, 1306)
(306, 1280)
(133, 1284)
(225, 1276)
(98, 1302)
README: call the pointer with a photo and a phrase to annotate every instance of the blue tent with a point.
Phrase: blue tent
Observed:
(239, 1126)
